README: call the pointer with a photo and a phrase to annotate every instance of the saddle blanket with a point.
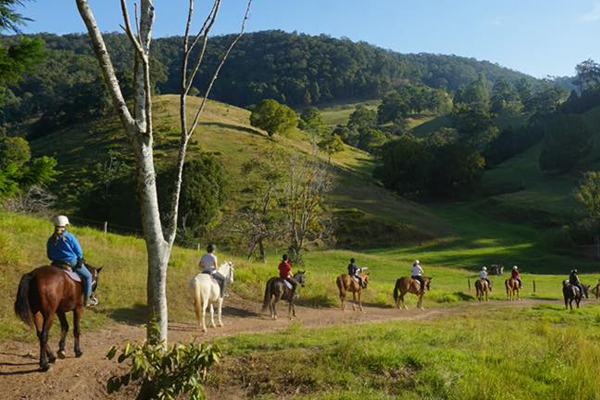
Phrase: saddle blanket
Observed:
(200, 276)
(71, 274)
(287, 284)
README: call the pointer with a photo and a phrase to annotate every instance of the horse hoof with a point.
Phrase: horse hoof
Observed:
(78, 353)
(44, 367)
(51, 359)
(62, 355)
(220, 325)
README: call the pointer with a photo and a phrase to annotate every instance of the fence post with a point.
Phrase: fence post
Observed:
(469, 283)
(105, 226)
(534, 287)
(198, 246)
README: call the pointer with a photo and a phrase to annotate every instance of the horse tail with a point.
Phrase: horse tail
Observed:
(22, 307)
(267, 296)
(340, 284)
(197, 297)
(397, 291)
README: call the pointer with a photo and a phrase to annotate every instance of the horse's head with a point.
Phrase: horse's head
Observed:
(226, 269)
(586, 289)
(95, 272)
(299, 277)
(365, 278)
(427, 282)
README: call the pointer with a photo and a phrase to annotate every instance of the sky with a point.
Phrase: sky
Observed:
(538, 37)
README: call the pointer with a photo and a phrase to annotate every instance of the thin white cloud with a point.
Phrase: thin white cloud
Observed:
(593, 15)
(497, 21)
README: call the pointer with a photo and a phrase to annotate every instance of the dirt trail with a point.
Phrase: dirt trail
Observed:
(86, 377)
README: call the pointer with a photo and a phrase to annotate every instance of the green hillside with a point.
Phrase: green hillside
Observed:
(226, 132)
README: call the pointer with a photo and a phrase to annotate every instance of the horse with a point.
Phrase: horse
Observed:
(512, 289)
(346, 283)
(409, 285)
(482, 288)
(206, 291)
(277, 290)
(44, 293)
(572, 292)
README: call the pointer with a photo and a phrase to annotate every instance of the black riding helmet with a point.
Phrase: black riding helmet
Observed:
(211, 247)
(352, 260)
(573, 271)
(285, 257)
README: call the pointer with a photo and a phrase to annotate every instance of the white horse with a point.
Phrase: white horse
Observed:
(206, 291)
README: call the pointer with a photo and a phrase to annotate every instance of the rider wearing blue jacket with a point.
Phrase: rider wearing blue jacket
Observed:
(63, 247)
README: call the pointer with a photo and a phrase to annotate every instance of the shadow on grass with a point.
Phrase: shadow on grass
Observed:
(236, 128)
(136, 315)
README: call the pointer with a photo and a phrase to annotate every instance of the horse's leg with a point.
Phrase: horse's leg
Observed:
(212, 315)
(64, 328)
(353, 301)
(219, 312)
(402, 300)
(290, 309)
(360, 300)
(45, 353)
(38, 321)
(204, 306)
(420, 301)
(343, 298)
(76, 329)
(293, 308)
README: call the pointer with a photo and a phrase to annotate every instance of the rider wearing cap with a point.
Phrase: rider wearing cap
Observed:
(63, 248)
(515, 275)
(285, 272)
(484, 275)
(208, 262)
(574, 280)
(417, 274)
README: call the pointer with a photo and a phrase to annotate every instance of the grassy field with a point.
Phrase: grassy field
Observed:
(338, 114)
(539, 352)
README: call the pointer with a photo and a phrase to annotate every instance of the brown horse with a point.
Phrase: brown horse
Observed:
(277, 290)
(346, 283)
(482, 288)
(512, 289)
(44, 293)
(409, 285)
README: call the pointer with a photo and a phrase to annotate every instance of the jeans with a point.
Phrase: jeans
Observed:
(221, 280)
(420, 279)
(86, 278)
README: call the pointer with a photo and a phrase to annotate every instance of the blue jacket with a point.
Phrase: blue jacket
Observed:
(66, 249)
(352, 269)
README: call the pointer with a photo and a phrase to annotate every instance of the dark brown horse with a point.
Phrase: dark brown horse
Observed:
(409, 285)
(346, 283)
(277, 290)
(572, 292)
(482, 288)
(512, 289)
(45, 293)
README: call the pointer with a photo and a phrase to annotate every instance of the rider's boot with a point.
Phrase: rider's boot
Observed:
(91, 301)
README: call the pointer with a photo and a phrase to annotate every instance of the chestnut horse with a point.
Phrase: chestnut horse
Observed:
(512, 289)
(482, 288)
(409, 285)
(45, 293)
(346, 283)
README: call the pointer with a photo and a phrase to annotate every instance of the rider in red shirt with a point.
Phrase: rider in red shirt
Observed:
(515, 275)
(285, 272)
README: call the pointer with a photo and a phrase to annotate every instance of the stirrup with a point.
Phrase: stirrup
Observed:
(91, 301)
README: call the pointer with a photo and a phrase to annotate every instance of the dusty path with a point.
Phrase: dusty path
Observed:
(86, 377)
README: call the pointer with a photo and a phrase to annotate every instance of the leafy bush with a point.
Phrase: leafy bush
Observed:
(164, 374)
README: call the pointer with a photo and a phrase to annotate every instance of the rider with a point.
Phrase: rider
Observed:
(353, 272)
(208, 262)
(484, 275)
(63, 248)
(574, 280)
(285, 272)
(416, 274)
(515, 275)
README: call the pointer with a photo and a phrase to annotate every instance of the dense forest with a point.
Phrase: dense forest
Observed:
(295, 69)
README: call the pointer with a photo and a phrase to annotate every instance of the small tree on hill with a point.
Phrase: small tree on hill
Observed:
(331, 145)
(273, 117)
(362, 118)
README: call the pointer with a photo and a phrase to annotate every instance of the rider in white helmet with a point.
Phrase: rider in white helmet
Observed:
(484, 275)
(63, 248)
(417, 274)
(515, 275)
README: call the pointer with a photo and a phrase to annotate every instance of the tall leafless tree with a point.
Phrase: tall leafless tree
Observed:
(137, 122)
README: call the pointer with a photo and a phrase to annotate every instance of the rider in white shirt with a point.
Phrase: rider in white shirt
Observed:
(417, 274)
(209, 265)
(484, 275)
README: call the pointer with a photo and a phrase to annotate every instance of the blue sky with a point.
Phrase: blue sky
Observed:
(539, 37)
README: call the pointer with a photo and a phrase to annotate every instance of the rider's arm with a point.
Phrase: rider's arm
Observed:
(76, 247)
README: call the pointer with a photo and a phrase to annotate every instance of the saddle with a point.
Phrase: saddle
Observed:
(287, 284)
(66, 268)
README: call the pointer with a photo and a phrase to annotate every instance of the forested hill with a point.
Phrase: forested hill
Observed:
(292, 68)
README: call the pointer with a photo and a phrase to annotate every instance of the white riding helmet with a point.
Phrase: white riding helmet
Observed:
(60, 221)
(515, 267)
(417, 262)
(484, 269)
